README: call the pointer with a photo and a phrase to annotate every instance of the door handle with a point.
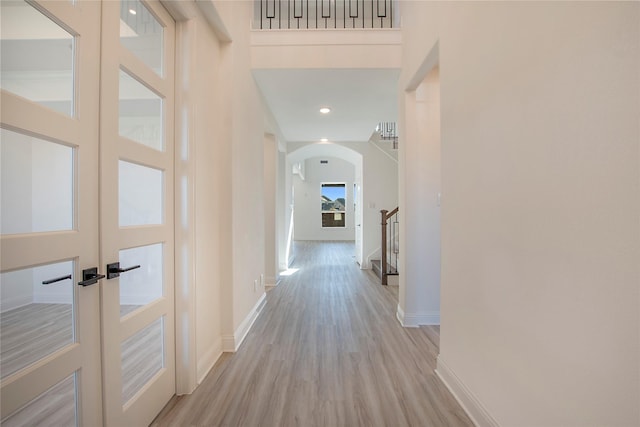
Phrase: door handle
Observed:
(90, 276)
(57, 279)
(114, 270)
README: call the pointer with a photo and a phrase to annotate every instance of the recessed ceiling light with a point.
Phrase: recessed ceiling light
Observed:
(324, 140)
(132, 11)
(325, 110)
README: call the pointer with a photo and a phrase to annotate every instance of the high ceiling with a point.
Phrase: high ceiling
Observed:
(359, 99)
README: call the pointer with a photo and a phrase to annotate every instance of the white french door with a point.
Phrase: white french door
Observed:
(86, 181)
(136, 226)
(49, 330)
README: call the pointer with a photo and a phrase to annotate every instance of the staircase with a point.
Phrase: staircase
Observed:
(392, 276)
(386, 268)
(385, 139)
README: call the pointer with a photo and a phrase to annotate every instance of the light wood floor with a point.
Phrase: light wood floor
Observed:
(327, 350)
(31, 332)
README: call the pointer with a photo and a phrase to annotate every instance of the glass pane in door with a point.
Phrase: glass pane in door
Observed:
(36, 314)
(140, 113)
(36, 57)
(140, 194)
(142, 285)
(36, 183)
(54, 407)
(141, 33)
(142, 358)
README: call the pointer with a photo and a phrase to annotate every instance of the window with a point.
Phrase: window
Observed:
(334, 201)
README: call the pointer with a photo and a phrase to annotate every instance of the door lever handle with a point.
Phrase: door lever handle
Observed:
(57, 279)
(90, 276)
(114, 270)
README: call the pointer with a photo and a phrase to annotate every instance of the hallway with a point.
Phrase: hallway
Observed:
(326, 350)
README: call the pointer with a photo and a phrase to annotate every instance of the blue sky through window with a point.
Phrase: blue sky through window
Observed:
(334, 192)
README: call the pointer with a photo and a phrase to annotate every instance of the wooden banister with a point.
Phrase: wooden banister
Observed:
(384, 268)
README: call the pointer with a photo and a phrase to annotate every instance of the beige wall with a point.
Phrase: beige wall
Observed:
(212, 171)
(540, 206)
(378, 176)
(270, 196)
(307, 196)
(247, 145)
(420, 164)
(202, 168)
(220, 204)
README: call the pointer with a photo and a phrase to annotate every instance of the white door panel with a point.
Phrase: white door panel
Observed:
(137, 209)
(87, 134)
(49, 119)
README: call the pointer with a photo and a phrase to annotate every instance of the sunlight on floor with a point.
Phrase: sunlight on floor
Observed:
(289, 272)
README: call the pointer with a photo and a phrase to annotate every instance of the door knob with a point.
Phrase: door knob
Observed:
(114, 270)
(90, 276)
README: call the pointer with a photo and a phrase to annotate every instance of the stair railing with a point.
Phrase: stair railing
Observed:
(389, 246)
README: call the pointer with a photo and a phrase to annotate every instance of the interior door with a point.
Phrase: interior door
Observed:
(357, 208)
(137, 253)
(49, 327)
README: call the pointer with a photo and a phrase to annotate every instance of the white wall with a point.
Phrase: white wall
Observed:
(307, 200)
(270, 199)
(419, 149)
(540, 206)
(283, 210)
(221, 243)
(379, 191)
(379, 178)
(326, 49)
(212, 197)
(247, 152)
(37, 196)
(203, 197)
(35, 173)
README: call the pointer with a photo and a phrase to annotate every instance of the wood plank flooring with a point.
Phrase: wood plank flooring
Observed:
(327, 350)
(32, 332)
(54, 407)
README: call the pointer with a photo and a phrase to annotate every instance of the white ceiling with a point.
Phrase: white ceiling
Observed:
(359, 99)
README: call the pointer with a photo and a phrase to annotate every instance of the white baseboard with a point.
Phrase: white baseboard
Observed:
(373, 255)
(231, 343)
(400, 316)
(206, 362)
(413, 320)
(271, 285)
(228, 344)
(469, 402)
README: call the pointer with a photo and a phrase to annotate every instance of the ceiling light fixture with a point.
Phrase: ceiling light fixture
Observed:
(325, 110)
(132, 11)
(324, 140)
